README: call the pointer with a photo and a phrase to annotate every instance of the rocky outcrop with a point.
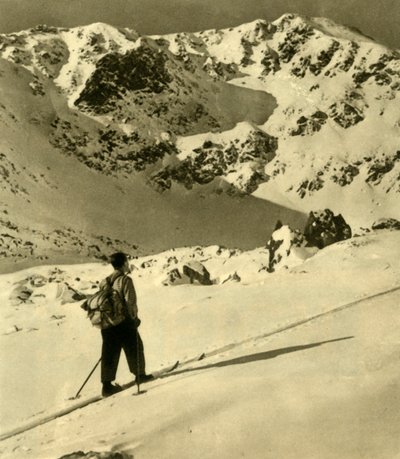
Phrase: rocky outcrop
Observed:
(379, 167)
(345, 175)
(386, 223)
(345, 115)
(282, 247)
(192, 272)
(196, 272)
(211, 160)
(141, 69)
(22, 243)
(326, 79)
(310, 125)
(324, 228)
(97, 455)
(173, 277)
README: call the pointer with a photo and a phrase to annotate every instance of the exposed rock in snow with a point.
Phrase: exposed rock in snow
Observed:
(324, 228)
(386, 223)
(196, 271)
(174, 277)
(300, 112)
(286, 248)
(323, 75)
(97, 455)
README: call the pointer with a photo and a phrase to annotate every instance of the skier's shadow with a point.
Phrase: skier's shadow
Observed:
(258, 357)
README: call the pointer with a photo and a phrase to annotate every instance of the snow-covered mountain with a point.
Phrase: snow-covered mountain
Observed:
(209, 127)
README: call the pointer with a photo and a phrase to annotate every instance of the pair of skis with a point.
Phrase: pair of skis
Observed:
(83, 403)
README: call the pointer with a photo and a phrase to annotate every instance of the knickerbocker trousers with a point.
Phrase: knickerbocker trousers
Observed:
(123, 336)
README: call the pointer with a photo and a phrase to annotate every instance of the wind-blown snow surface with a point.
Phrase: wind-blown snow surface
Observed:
(326, 388)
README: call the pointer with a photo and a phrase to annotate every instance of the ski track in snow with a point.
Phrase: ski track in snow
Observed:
(232, 319)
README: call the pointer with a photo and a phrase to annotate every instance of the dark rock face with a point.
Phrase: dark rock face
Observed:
(173, 276)
(270, 61)
(195, 271)
(141, 69)
(379, 71)
(310, 186)
(294, 40)
(108, 150)
(315, 65)
(213, 160)
(345, 114)
(324, 228)
(386, 223)
(380, 167)
(307, 126)
(345, 175)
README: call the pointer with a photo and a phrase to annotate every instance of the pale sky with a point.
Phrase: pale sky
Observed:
(379, 19)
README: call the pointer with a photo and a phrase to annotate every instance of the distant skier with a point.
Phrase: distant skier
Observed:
(124, 335)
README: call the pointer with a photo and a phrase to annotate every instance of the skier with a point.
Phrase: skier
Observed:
(124, 335)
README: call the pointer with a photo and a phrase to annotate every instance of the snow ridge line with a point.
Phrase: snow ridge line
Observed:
(298, 323)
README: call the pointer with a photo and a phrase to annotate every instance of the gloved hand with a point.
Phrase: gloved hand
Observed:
(137, 321)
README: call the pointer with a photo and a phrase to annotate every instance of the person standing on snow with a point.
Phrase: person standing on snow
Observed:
(124, 335)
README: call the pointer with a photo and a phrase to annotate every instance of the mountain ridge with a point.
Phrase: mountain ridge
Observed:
(298, 112)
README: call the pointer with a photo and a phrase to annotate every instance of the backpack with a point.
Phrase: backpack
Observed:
(106, 308)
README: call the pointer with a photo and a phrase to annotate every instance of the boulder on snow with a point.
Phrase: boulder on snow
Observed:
(324, 228)
(37, 280)
(21, 294)
(386, 223)
(281, 247)
(67, 294)
(195, 271)
(97, 455)
(173, 277)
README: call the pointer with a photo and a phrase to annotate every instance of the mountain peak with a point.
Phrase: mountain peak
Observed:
(166, 110)
(321, 24)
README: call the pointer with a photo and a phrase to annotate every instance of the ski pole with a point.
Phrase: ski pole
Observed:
(87, 379)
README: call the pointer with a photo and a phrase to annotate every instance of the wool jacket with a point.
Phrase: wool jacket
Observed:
(124, 286)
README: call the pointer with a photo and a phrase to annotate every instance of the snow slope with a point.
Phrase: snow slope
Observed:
(325, 388)
(301, 112)
(336, 122)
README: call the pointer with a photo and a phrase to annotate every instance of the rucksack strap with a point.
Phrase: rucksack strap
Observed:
(111, 284)
(108, 279)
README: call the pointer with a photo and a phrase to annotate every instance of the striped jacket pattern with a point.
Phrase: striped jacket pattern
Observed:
(124, 285)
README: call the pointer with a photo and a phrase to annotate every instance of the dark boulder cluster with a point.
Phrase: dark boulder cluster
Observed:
(193, 272)
(213, 160)
(316, 65)
(386, 223)
(310, 125)
(323, 228)
(196, 272)
(141, 69)
(345, 114)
